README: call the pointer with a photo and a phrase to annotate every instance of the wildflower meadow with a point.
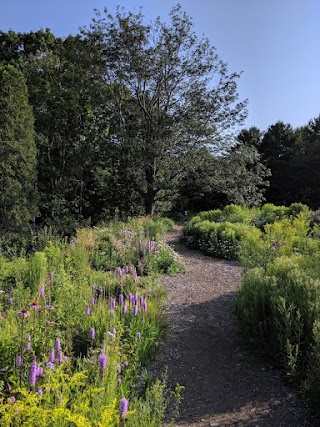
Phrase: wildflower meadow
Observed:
(80, 322)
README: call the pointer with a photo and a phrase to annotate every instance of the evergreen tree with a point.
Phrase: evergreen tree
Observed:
(17, 153)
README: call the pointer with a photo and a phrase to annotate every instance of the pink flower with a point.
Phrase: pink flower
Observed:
(35, 305)
(23, 313)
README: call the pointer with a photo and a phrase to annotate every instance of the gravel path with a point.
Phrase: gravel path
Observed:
(225, 384)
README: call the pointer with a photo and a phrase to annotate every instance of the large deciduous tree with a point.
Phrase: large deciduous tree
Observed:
(172, 95)
(17, 153)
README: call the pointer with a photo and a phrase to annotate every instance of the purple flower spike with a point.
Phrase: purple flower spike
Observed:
(39, 371)
(112, 304)
(19, 361)
(144, 306)
(60, 357)
(119, 380)
(52, 355)
(58, 345)
(103, 362)
(121, 299)
(119, 272)
(33, 372)
(10, 300)
(40, 391)
(124, 405)
(126, 364)
(135, 310)
(29, 337)
(124, 308)
(119, 368)
(41, 291)
(130, 297)
(88, 310)
(92, 301)
(139, 335)
(92, 334)
(28, 347)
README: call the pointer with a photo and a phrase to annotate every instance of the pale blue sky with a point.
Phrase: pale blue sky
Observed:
(275, 43)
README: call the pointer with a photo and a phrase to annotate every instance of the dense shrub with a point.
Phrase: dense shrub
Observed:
(222, 240)
(278, 304)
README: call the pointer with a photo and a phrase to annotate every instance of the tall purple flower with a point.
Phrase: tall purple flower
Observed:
(119, 272)
(139, 335)
(124, 308)
(39, 371)
(92, 301)
(28, 347)
(40, 391)
(112, 304)
(121, 299)
(33, 372)
(52, 355)
(135, 310)
(41, 291)
(119, 380)
(92, 334)
(60, 357)
(119, 368)
(124, 405)
(58, 344)
(144, 306)
(130, 297)
(103, 363)
(88, 310)
(19, 361)
(10, 300)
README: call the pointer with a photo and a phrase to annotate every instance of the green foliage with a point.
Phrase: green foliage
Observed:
(17, 153)
(278, 303)
(58, 293)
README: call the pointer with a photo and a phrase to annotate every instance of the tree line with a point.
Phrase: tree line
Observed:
(131, 118)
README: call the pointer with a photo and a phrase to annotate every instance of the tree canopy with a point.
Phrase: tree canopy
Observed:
(17, 153)
(171, 95)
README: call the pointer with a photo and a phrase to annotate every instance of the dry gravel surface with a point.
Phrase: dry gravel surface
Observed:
(225, 383)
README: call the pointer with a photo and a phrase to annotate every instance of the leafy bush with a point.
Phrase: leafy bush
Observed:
(222, 240)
